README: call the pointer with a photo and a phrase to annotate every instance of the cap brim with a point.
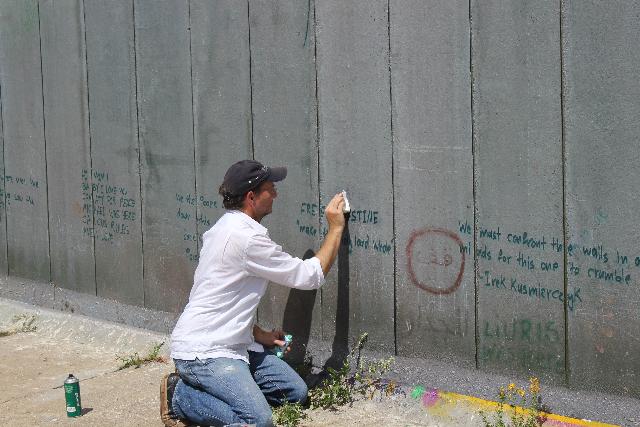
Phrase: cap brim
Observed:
(277, 174)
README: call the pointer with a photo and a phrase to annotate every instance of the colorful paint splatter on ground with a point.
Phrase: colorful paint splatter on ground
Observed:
(442, 402)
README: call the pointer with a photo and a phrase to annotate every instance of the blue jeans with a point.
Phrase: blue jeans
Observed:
(224, 391)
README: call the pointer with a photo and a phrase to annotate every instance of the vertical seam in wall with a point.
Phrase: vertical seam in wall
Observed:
(253, 149)
(393, 199)
(44, 138)
(4, 184)
(317, 99)
(193, 132)
(564, 203)
(306, 31)
(135, 72)
(86, 76)
(474, 190)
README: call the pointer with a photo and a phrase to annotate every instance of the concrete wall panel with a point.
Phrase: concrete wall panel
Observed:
(356, 155)
(4, 265)
(517, 137)
(221, 98)
(114, 150)
(24, 178)
(433, 185)
(68, 144)
(284, 125)
(167, 151)
(601, 92)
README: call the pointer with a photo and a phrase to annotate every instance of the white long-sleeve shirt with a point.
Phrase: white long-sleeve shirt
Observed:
(237, 260)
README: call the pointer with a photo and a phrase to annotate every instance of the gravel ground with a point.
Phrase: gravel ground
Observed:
(35, 363)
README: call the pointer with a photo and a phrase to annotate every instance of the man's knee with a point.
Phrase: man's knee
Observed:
(261, 417)
(298, 392)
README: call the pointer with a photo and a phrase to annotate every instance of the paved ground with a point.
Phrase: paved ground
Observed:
(35, 363)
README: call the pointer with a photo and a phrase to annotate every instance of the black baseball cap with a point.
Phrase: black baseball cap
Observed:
(245, 175)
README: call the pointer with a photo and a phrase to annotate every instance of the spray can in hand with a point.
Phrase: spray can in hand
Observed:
(281, 350)
(72, 396)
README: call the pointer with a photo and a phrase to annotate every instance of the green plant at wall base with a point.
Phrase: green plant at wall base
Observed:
(334, 391)
(288, 414)
(20, 323)
(520, 405)
(368, 377)
(136, 361)
(342, 385)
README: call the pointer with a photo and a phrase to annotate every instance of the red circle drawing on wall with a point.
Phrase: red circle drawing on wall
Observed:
(432, 257)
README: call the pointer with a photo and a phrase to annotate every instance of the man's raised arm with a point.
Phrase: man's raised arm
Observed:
(331, 243)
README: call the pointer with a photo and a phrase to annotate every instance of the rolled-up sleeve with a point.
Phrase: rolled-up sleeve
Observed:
(264, 258)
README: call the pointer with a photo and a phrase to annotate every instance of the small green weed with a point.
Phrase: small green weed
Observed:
(368, 377)
(342, 385)
(136, 361)
(527, 415)
(335, 390)
(21, 323)
(288, 415)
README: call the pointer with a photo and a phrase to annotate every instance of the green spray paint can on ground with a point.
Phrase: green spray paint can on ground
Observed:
(72, 396)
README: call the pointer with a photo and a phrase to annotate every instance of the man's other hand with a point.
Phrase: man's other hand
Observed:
(269, 338)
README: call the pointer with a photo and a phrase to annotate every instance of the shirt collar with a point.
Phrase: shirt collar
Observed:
(249, 221)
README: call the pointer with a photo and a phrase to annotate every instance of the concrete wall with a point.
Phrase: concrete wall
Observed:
(490, 150)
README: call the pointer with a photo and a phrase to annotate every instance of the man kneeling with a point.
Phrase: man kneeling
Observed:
(224, 376)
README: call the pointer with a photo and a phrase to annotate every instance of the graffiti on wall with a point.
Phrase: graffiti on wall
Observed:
(19, 190)
(435, 260)
(195, 210)
(587, 262)
(522, 342)
(528, 251)
(108, 210)
(307, 223)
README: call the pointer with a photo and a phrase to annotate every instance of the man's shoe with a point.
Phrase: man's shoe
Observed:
(167, 388)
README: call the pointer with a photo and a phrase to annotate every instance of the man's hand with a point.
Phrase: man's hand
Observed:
(269, 338)
(336, 220)
(333, 212)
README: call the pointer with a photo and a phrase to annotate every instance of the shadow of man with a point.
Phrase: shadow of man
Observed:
(299, 309)
(297, 318)
(340, 345)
